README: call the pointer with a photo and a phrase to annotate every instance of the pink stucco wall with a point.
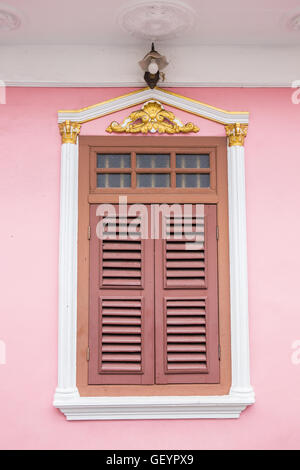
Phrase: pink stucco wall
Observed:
(29, 211)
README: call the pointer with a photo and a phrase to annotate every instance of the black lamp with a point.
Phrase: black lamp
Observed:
(152, 64)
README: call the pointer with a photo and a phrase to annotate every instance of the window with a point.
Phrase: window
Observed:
(152, 171)
(73, 396)
(153, 316)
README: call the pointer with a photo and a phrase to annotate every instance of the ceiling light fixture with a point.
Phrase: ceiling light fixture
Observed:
(153, 63)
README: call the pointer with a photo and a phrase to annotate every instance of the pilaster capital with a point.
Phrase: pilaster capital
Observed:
(236, 134)
(69, 131)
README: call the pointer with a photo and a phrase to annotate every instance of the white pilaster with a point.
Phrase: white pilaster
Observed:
(66, 389)
(238, 274)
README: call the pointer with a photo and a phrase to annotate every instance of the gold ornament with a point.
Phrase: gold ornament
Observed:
(69, 131)
(236, 133)
(152, 118)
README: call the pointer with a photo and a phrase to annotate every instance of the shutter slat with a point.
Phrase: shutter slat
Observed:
(196, 329)
(186, 264)
(128, 255)
(122, 357)
(187, 219)
(122, 273)
(119, 312)
(181, 246)
(121, 282)
(121, 246)
(121, 320)
(185, 273)
(186, 348)
(190, 283)
(120, 330)
(121, 347)
(121, 264)
(112, 303)
(185, 255)
(187, 339)
(185, 238)
(184, 311)
(120, 367)
(185, 303)
(191, 366)
(186, 320)
(128, 339)
(186, 357)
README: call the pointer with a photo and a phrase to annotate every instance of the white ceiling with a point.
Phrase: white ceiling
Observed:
(81, 43)
(94, 22)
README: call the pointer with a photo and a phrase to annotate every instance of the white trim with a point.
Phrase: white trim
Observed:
(67, 398)
(229, 406)
(181, 84)
(238, 271)
(165, 97)
(116, 66)
(67, 276)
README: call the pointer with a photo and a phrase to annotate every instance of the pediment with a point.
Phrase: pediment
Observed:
(162, 96)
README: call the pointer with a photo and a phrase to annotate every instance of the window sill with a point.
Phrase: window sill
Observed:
(79, 408)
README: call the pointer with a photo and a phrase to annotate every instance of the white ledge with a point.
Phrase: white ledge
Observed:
(120, 408)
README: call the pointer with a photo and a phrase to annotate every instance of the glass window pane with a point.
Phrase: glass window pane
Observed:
(153, 180)
(188, 180)
(113, 180)
(113, 161)
(192, 161)
(152, 161)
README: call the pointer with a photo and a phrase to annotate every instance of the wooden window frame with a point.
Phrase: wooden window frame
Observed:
(216, 194)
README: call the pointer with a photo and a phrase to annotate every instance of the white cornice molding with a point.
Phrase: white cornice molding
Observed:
(140, 84)
(172, 99)
(117, 66)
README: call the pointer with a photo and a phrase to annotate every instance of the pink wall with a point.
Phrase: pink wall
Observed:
(29, 211)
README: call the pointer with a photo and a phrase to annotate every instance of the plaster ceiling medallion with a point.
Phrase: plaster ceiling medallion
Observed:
(156, 20)
(8, 20)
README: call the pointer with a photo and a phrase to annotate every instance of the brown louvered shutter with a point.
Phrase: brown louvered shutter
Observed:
(121, 317)
(186, 303)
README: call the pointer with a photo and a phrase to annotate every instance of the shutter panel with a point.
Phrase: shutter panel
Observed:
(122, 258)
(186, 304)
(182, 269)
(186, 334)
(121, 324)
(121, 334)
